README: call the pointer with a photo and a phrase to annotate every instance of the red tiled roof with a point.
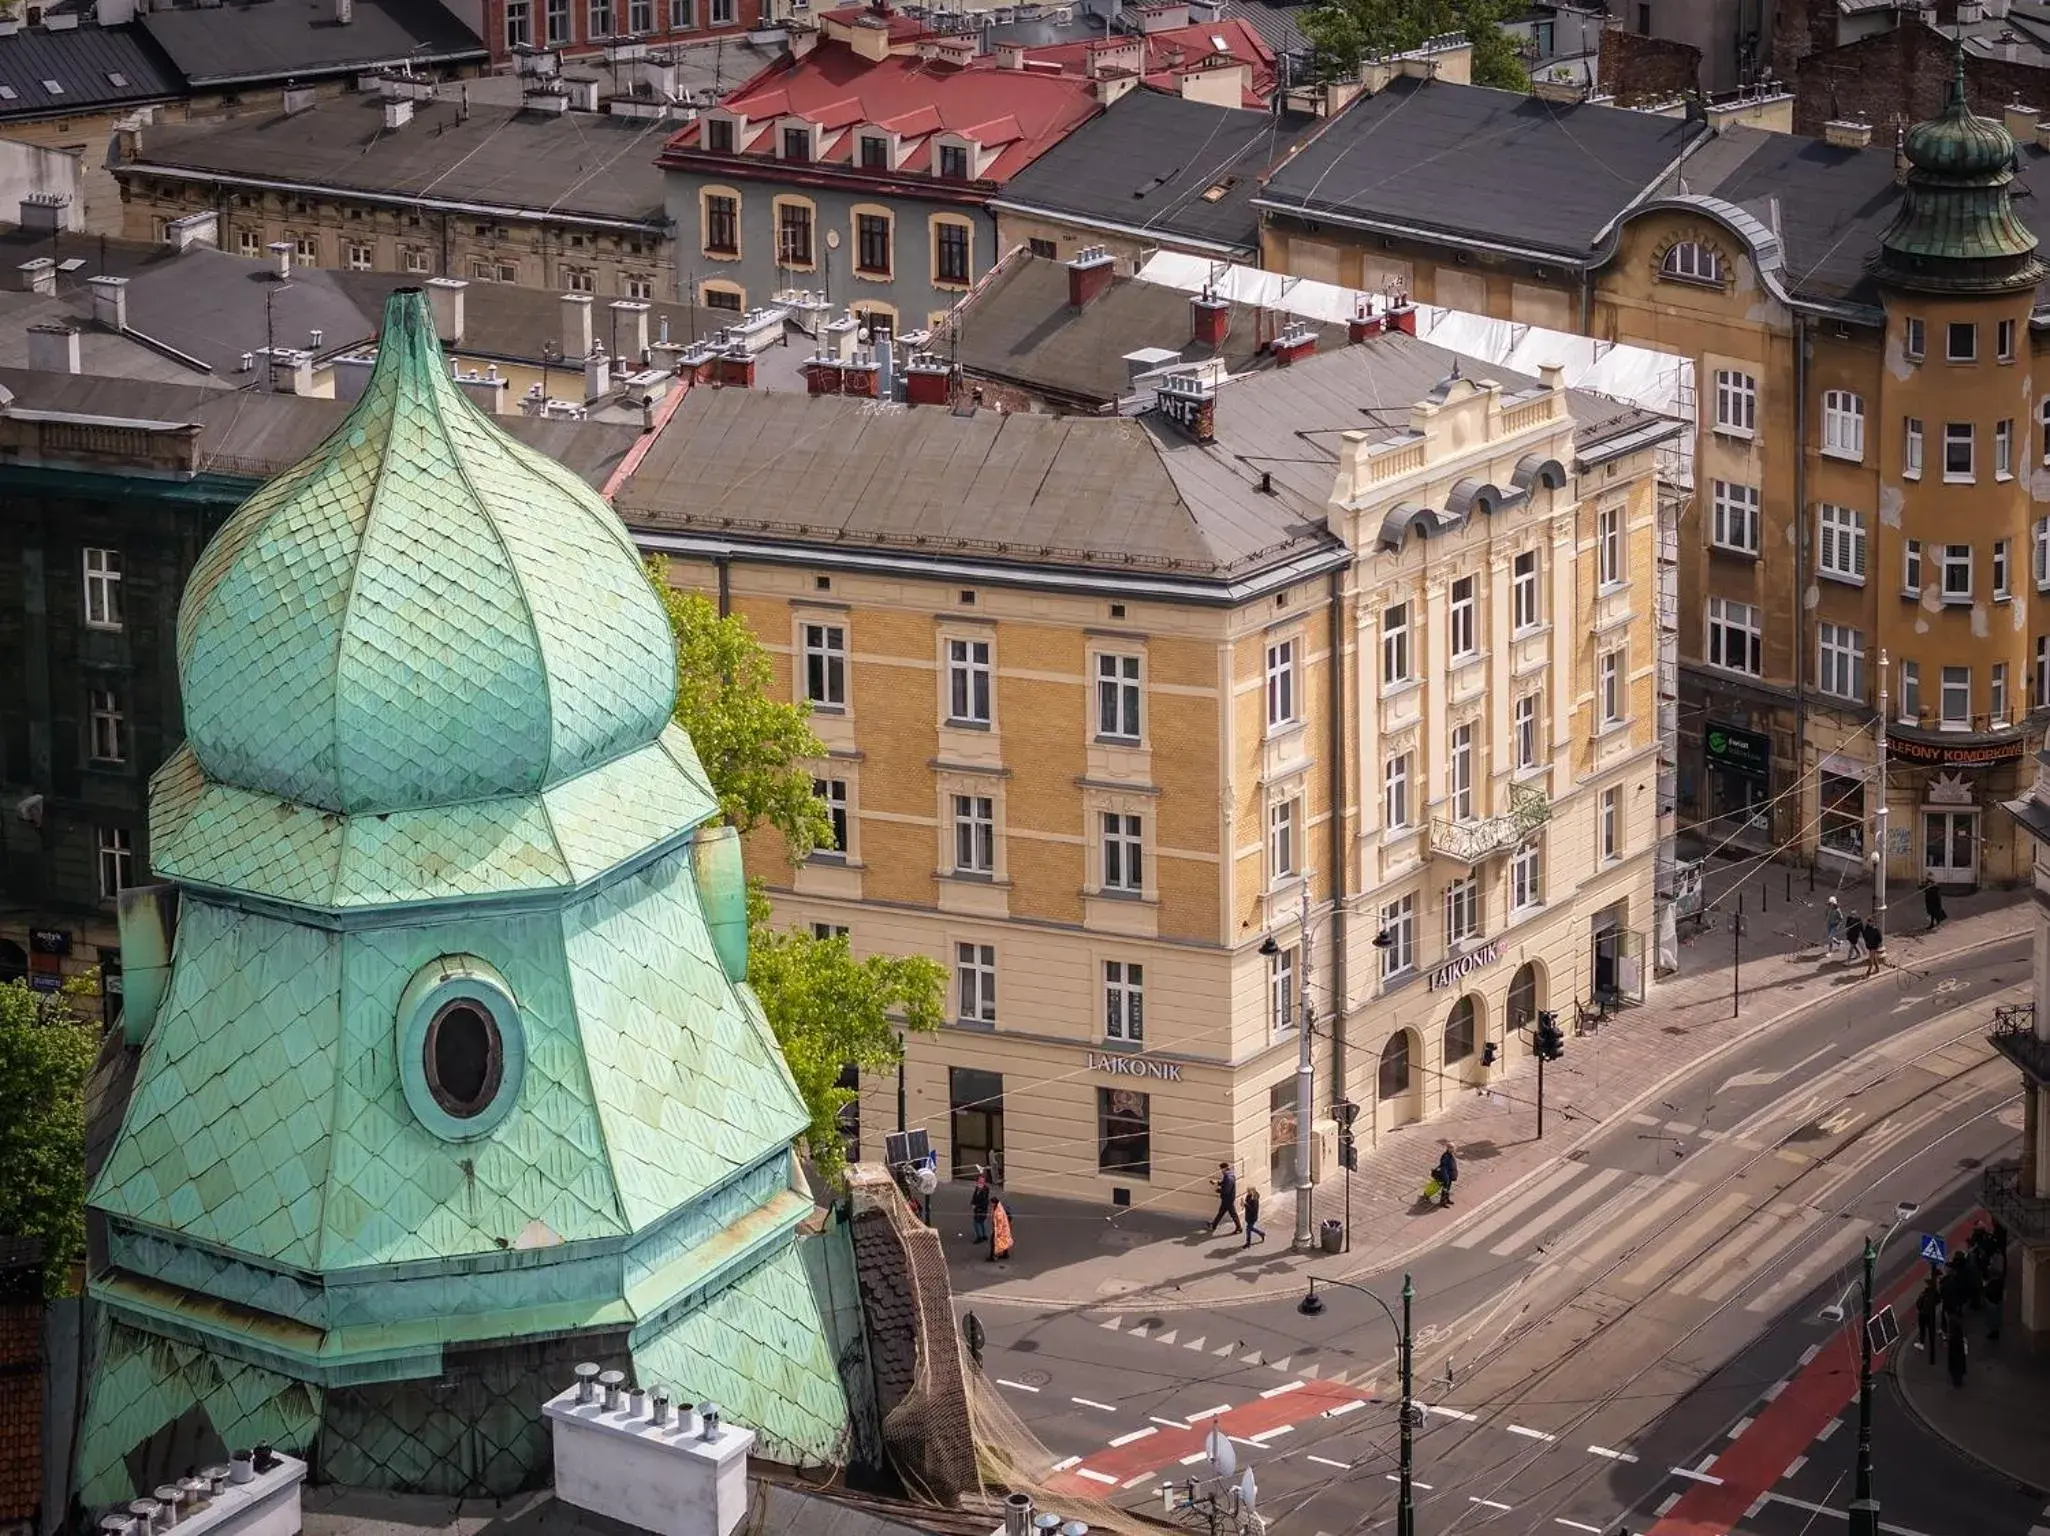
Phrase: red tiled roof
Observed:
(1023, 113)
(1176, 51)
(21, 1409)
(902, 27)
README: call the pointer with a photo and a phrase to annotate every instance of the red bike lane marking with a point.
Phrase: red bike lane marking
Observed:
(1786, 1426)
(1122, 1463)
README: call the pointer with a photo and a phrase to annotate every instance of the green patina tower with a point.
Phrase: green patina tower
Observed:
(451, 1079)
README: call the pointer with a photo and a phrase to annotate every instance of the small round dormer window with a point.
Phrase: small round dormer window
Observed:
(461, 1047)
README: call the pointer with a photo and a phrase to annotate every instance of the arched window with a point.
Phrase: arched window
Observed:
(1691, 262)
(1523, 997)
(1395, 1065)
(1459, 1029)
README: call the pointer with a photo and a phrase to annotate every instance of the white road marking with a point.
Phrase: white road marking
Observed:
(1168, 1337)
(1554, 1212)
(1699, 1477)
(1254, 1358)
(1293, 1386)
(1210, 1413)
(1394, 1478)
(1827, 1254)
(1810, 1353)
(1677, 1244)
(1771, 1393)
(1794, 1467)
(1538, 1197)
(1344, 1408)
(1575, 1525)
(1651, 1215)
(1166, 1423)
(1281, 1364)
(1131, 1483)
(1474, 1498)
(1767, 1079)
(1528, 1434)
(1096, 1477)
(1265, 1435)
(1666, 1504)
(1190, 1461)
(1115, 1322)
(1740, 1426)
(1017, 1386)
(1603, 1450)
(1326, 1461)
(1085, 1402)
(1137, 1434)
(1836, 1424)
(1196, 1343)
(1751, 1512)
(1141, 1331)
(1454, 1413)
(1062, 1466)
(1824, 1509)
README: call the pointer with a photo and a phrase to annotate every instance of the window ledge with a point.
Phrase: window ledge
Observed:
(1119, 893)
(1400, 980)
(1957, 599)
(1736, 551)
(1283, 730)
(1611, 588)
(1129, 743)
(980, 1026)
(826, 709)
(1911, 474)
(833, 859)
(1841, 577)
(972, 877)
(1911, 594)
(1951, 479)
(1611, 728)
(1398, 688)
(103, 629)
(1529, 631)
(953, 724)
(1742, 434)
(1844, 455)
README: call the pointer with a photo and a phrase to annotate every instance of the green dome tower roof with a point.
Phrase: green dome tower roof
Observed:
(1956, 231)
(424, 612)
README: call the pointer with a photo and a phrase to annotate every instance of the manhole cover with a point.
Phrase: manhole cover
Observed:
(1034, 1378)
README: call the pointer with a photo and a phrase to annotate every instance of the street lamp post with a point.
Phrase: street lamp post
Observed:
(1864, 1511)
(1409, 1415)
(1305, 1082)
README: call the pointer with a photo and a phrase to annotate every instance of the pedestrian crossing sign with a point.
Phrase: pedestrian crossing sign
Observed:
(1933, 1249)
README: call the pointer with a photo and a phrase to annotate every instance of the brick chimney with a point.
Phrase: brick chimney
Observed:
(1190, 402)
(822, 376)
(927, 380)
(1088, 275)
(859, 375)
(1209, 319)
(1364, 323)
(734, 369)
(1293, 345)
(1844, 133)
(1401, 317)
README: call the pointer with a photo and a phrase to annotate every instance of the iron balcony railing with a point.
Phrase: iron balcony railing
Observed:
(2014, 1036)
(2026, 1216)
(1469, 842)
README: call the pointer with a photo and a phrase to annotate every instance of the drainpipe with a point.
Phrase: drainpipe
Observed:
(723, 564)
(1586, 299)
(1799, 605)
(1336, 859)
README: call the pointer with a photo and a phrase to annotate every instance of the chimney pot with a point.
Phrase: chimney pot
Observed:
(1018, 1514)
(1209, 319)
(1847, 133)
(576, 326)
(110, 302)
(587, 1373)
(53, 349)
(611, 1382)
(38, 275)
(1089, 273)
(281, 254)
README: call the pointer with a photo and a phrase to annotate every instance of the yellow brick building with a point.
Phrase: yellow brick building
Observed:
(1089, 735)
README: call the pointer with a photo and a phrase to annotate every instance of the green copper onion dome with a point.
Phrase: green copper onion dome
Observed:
(423, 612)
(1957, 230)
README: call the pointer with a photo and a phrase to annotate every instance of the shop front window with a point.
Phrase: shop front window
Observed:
(1843, 815)
(975, 1101)
(1281, 1134)
(1124, 1144)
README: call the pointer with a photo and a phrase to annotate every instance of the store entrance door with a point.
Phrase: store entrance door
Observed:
(976, 1103)
(1950, 847)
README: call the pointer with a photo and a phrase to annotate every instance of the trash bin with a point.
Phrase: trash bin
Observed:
(1332, 1234)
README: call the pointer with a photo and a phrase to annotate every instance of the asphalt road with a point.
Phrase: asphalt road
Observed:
(1612, 1323)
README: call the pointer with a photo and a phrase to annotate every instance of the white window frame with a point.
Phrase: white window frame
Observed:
(1909, 704)
(1462, 911)
(1124, 852)
(1954, 573)
(1843, 424)
(2003, 449)
(1996, 696)
(116, 849)
(2046, 430)
(2003, 576)
(975, 983)
(1398, 922)
(1526, 877)
(1281, 685)
(1611, 821)
(1692, 262)
(1969, 330)
(1954, 684)
(825, 664)
(1524, 726)
(1281, 995)
(1840, 661)
(1118, 693)
(1734, 517)
(2040, 539)
(1960, 434)
(102, 569)
(1911, 568)
(2003, 341)
(1526, 600)
(975, 834)
(103, 712)
(1914, 339)
(1840, 543)
(1911, 448)
(1124, 1001)
(1609, 687)
(971, 682)
(2042, 672)
(1396, 662)
(1729, 620)
(833, 792)
(1284, 839)
(1736, 403)
(1610, 568)
(1459, 800)
(1397, 811)
(1462, 619)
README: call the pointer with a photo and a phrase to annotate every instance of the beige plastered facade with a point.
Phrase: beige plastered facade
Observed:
(1204, 778)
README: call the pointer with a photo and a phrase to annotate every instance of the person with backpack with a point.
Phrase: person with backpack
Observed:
(1252, 1207)
(1875, 948)
(1448, 1175)
(978, 1206)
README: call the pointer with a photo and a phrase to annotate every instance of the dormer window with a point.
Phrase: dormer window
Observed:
(1689, 262)
(875, 152)
(953, 162)
(719, 135)
(797, 144)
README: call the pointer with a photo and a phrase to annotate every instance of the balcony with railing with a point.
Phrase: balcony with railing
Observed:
(2014, 1036)
(2026, 1216)
(1471, 841)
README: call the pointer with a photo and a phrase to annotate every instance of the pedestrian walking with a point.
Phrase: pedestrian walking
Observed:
(1253, 1228)
(1000, 1230)
(1832, 927)
(1957, 1355)
(1995, 1285)
(1854, 935)
(1927, 1306)
(1932, 903)
(1227, 1186)
(978, 1206)
(1875, 948)
(1448, 1175)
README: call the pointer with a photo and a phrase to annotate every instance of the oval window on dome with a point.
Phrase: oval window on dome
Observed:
(461, 1047)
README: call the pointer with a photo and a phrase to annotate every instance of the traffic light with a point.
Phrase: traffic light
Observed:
(1345, 1112)
(1550, 1042)
(1488, 1053)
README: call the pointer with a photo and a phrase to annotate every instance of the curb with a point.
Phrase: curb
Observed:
(1957, 1447)
(1149, 1295)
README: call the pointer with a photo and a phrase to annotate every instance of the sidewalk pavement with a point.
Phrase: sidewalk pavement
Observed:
(1995, 1418)
(1069, 1253)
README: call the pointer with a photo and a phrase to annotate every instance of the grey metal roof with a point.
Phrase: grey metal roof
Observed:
(276, 39)
(1158, 163)
(1279, 22)
(1467, 162)
(578, 165)
(1041, 492)
(92, 67)
(1020, 329)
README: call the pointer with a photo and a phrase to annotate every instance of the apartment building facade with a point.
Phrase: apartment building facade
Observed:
(1866, 446)
(1138, 771)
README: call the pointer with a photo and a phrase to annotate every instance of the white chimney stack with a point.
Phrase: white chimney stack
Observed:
(398, 110)
(630, 328)
(53, 349)
(345, 12)
(576, 326)
(281, 253)
(445, 298)
(38, 275)
(682, 1478)
(110, 302)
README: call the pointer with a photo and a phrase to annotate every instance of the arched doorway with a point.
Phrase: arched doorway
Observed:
(1525, 997)
(1399, 1083)
(1462, 1025)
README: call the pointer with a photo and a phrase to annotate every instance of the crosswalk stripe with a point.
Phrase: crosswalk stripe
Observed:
(1828, 1255)
(1592, 1184)
(1758, 1256)
(1536, 1196)
(1742, 1247)
(1674, 1246)
(1622, 1232)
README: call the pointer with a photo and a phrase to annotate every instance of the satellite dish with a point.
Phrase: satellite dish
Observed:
(1248, 1491)
(928, 1180)
(862, 334)
(1223, 1459)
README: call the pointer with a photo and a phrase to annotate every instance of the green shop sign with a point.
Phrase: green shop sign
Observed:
(1746, 752)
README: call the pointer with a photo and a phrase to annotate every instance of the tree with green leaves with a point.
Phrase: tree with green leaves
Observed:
(827, 1008)
(46, 1054)
(1343, 32)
